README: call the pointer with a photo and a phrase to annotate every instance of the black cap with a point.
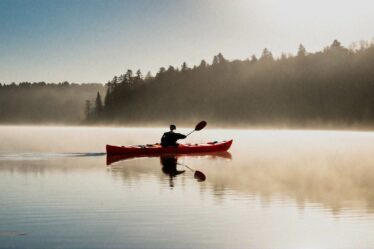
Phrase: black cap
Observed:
(172, 127)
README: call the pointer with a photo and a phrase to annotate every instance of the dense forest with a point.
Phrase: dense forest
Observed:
(334, 86)
(42, 103)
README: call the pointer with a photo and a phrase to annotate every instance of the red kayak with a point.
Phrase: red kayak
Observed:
(152, 149)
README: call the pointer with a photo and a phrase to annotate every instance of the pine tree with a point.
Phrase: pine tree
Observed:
(336, 44)
(266, 55)
(129, 77)
(139, 75)
(148, 76)
(98, 104)
(203, 64)
(254, 58)
(221, 59)
(301, 51)
(184, 67)
(215, 60)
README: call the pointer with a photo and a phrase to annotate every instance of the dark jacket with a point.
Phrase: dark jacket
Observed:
(170, 138)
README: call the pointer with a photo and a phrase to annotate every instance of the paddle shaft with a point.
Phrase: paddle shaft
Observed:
(190, 133)
(186, 167)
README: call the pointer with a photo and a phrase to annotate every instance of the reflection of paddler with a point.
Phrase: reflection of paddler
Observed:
(169, 167)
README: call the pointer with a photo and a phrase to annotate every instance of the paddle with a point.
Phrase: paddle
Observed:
(198, 127)
(198, 175)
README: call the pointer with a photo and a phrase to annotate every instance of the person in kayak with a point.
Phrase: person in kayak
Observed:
(170, 138)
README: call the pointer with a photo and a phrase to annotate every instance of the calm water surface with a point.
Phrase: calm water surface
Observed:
(276, 189)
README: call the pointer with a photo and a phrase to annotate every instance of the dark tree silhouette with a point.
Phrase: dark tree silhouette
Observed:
(329, 87)
(148, 76)
(215, 60)
(302, 51)
(184, 67)
(254, 58)
(221, 59)
(266, 55)
(203, 64)
(98, 104)
(336, 44)
(139, 75)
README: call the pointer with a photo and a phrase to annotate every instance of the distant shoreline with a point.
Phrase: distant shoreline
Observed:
(358, 127)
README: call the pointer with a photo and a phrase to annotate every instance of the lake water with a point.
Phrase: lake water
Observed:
(276, 189)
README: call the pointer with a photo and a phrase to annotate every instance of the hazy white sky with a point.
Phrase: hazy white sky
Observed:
(93, 40)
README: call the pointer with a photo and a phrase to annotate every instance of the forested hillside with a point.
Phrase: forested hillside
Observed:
(333, 86)
(41, 103)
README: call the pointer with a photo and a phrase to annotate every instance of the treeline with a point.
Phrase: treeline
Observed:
(40, 102)
(332, 86)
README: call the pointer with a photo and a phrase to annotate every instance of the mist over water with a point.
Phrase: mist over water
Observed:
(278, 189)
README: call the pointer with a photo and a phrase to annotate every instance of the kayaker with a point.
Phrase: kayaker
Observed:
(170, 138)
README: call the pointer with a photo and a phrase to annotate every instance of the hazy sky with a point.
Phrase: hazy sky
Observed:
(93, 40)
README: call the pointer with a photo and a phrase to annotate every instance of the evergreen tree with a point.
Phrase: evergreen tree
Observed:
(98, 104)
(301, 51)
(121, 79)
(129, 77)
(184, 67)
(266, 55)
(171, 69)
(139, 75)
(215, 60)
(203, 64)
(107, 96)
(254, 58)
(115, 80)
(336, 44)
(161, 71)
(148, 76)
(221, 59)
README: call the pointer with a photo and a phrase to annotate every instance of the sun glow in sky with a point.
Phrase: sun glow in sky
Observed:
(93, 40)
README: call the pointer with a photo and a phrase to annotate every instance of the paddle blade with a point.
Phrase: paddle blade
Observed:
(199, 176)
(200, 126)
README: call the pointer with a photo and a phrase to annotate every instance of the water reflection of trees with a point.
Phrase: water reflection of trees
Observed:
(334, 184)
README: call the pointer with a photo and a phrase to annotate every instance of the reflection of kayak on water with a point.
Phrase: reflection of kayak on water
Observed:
(149, 149)
(169, 167)
(223, 154)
